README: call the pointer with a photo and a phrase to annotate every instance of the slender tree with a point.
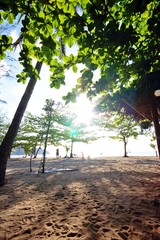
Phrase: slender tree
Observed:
(121, 126)
(29, 136)
(6, 145)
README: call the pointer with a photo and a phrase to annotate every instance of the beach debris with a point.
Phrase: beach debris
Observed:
(156, 201)
(59, 194)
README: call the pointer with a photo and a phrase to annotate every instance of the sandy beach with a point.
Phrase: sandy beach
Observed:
(110, 198)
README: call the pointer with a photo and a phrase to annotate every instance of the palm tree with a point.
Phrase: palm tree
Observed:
(6, 145)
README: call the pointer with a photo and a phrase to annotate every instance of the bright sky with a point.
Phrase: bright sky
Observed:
(11, 91)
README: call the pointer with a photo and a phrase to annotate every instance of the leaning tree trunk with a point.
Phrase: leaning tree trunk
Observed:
(6, 145)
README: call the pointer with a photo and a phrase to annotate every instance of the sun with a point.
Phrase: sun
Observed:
(83, 109)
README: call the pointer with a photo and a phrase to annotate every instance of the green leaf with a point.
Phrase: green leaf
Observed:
(71, 9)
(57, 81)
(70, 41)
(74, 68)
(87, 74)
(2, 56)
(84, 2)
(10, 18)
(65, 58)
(60, 4)
(31, 39)
(72, 30)
(41, 15)
(55, 23)
(62, 18)
(66, 7)
(54, 62)
(92, 66)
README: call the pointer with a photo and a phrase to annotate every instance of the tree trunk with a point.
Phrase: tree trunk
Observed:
(36, 152)
(45, 143)
(71, 154)
(125, 147)
(6, 145)
(156, 123)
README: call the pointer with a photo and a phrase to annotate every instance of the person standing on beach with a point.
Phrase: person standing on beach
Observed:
(57, 152)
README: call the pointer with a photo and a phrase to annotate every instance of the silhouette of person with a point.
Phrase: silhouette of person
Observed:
(57, 152)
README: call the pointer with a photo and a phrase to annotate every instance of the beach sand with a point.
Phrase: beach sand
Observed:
(93, 199)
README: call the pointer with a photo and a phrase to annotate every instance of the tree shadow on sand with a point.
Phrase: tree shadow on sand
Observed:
(103, 199)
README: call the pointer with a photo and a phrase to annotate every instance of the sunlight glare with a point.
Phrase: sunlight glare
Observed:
(83, 108)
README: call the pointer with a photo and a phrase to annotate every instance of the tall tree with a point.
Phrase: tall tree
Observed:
(123, 126)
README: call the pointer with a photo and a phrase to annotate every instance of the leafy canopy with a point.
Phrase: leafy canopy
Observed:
(121, 38)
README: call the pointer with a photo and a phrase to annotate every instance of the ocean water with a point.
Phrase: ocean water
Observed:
(101, 147)
(100, 154)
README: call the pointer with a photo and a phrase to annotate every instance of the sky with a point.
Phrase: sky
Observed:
(11, 92)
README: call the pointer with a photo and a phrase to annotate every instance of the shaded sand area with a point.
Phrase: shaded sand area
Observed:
(93, 199)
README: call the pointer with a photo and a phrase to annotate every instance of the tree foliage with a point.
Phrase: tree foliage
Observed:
(4, 124)
(63, 129)
(30, 135)
(120, 127)
(45, 26)
(121, 38)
